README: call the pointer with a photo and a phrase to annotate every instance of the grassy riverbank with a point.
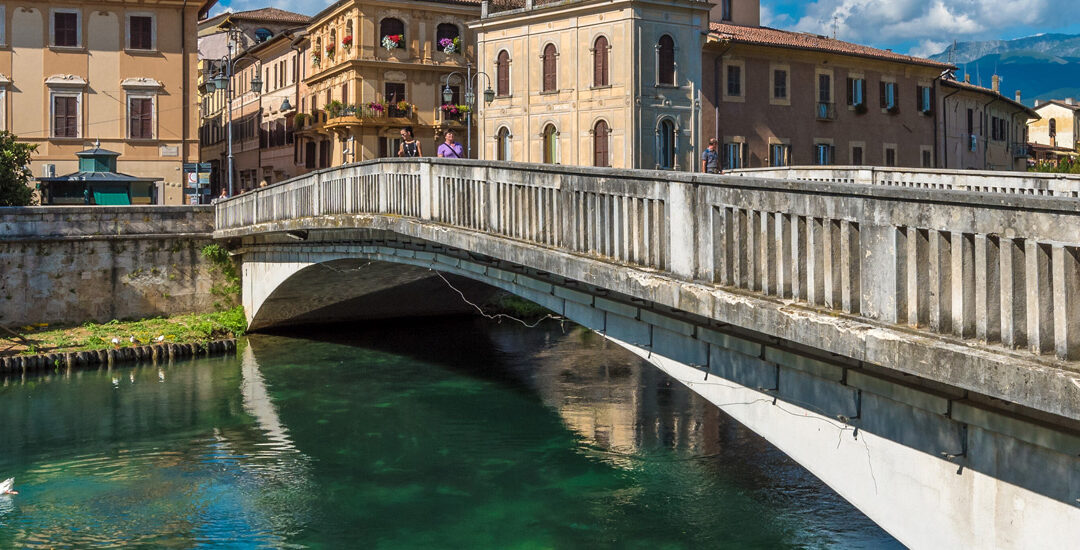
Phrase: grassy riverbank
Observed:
(186, 329)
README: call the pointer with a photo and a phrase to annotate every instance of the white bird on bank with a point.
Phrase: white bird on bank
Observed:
(115, 341)
(133, 340)
(160, 338)
(8, 487)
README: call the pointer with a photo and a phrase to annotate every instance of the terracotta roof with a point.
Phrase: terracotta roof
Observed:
(1059, 103)
(271, 14)
(330, 8)
(998, 95)
(766, 36)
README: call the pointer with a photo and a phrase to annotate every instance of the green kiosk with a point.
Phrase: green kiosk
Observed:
(98, 182)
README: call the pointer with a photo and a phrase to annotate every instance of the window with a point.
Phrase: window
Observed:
(823, 154)
(309, 155)
(780, 84)
(856, 92)
(971, 123)
(395, 92)
(262, 35)
(600, 144)
(888, 97)
(140, 32)
(140, 117)
(551, 144)
(65, 115)
(779, 154)
(665, 61)
(502, 144)
(890, 155)
(734, 156)
(549, 68)
(927, 159)
(447, 31)
(502, 74)
(455, 95)
(734, 80)
(600, 62)
(725, 10)
(1053, 126)
(665, 145)
(66, 28)
(324, 153)
(924, 99)
(391, 27)
(857, 155)
(824, 88)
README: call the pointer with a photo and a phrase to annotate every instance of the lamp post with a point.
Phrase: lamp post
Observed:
(470, 98)
(223, 81)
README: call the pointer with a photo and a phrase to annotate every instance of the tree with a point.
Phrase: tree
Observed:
(15, 171)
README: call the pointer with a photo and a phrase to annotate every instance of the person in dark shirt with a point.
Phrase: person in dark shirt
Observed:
(410, 146)
(710, 158)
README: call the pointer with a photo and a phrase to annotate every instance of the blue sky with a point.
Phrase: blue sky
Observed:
(920, 27)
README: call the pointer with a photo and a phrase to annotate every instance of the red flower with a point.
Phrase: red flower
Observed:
(347, 40)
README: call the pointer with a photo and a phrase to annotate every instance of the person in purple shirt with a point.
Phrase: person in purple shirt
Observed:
(449, 149)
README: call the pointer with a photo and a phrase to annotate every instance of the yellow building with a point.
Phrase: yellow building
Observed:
(594, 83)
(376, 66)
(122, 72)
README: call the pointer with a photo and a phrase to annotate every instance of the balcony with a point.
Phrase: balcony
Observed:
(1020, 150)
(826, 110)
(453, 114)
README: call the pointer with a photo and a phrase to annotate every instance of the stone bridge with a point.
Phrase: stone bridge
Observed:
(916, 349)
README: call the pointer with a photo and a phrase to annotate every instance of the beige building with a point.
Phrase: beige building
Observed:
(1058, 126)
(983, 130)
(122, 72)
(591, 82)
(263, 43)
(373, 67)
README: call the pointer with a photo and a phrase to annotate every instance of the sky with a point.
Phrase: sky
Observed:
(918, 27)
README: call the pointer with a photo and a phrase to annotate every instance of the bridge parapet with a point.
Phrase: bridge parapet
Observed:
(1018, 183)
(995, 269)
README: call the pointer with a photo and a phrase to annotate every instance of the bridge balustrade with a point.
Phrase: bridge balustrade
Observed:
(1018, 183)
(995, 269)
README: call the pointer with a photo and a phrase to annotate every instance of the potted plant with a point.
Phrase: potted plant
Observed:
(301, 120)
(393, 41)
(346, 42)
(450, 45)
(375, 108)
(333, 109)
(330, 52)
(315, 59)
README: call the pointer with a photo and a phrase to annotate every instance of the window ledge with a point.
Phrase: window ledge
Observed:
(141, 141)
(669, 86)
(604, 87)
(68, 49)
(78, 139)
(550, 92)
(137, 51)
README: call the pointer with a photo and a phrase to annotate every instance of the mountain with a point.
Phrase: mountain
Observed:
(1042, 67)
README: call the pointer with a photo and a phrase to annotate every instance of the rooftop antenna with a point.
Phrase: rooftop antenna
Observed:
(952, 51)
(834, 18)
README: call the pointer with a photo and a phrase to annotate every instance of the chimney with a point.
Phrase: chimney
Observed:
(484, 9)
(1037, 102)
(996, 86)
(1018, 96)
(1070, 101)
(967, 78)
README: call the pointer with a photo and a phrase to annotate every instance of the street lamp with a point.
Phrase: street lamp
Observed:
(223, 81)
(470, 98)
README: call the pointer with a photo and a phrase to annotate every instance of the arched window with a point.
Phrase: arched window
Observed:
(1053, 128)
(448, 38)
(551, 144)
(665, 145)
(331, 45)
(348, 34)
(600, 62)
(502, 144)
(549, 68)
(317, 54)
(502, 74)
(391, 27)
(665, 61)
(262, 35)
(600, 144)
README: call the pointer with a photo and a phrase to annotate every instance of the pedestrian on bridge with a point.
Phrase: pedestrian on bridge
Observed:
(450, 149)
(410, 146)
(710, 158)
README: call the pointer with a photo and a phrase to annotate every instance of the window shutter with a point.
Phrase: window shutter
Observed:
(883, 102)
(549, 68)
(851, 91)
(666, 61)
(896, 95)
(502, 76)
(135, 124)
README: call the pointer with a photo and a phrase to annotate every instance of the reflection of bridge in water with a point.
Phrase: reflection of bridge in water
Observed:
(939, 332)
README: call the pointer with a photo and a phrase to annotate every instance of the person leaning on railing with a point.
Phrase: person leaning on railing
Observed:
(450, 149)
(410, 146)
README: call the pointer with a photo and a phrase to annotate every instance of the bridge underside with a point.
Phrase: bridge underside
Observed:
(935, 465)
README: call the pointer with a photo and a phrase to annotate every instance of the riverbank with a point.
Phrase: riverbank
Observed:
(43, 346)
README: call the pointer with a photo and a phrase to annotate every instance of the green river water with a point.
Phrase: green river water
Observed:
(453, 433)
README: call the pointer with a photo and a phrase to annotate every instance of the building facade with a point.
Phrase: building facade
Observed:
(595, 83)
(373, 67)
(780, 98)
(981, 129)
(121, 73)
(1058, 126)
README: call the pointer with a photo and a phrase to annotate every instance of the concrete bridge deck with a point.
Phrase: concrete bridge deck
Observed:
(944, 323)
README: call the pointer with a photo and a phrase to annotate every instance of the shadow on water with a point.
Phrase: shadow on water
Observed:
(438, 433)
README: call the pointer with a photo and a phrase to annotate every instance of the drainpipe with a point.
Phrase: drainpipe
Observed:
(934, 86)
(718, 65)
(944, 128)
(184, 96)
(986, 146)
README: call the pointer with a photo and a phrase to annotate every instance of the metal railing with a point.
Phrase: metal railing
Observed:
(1002, 270)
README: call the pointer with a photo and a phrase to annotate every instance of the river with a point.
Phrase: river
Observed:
(450, 433)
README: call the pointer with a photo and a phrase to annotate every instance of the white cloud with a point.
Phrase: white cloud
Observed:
(929, 22)
(926, 48)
